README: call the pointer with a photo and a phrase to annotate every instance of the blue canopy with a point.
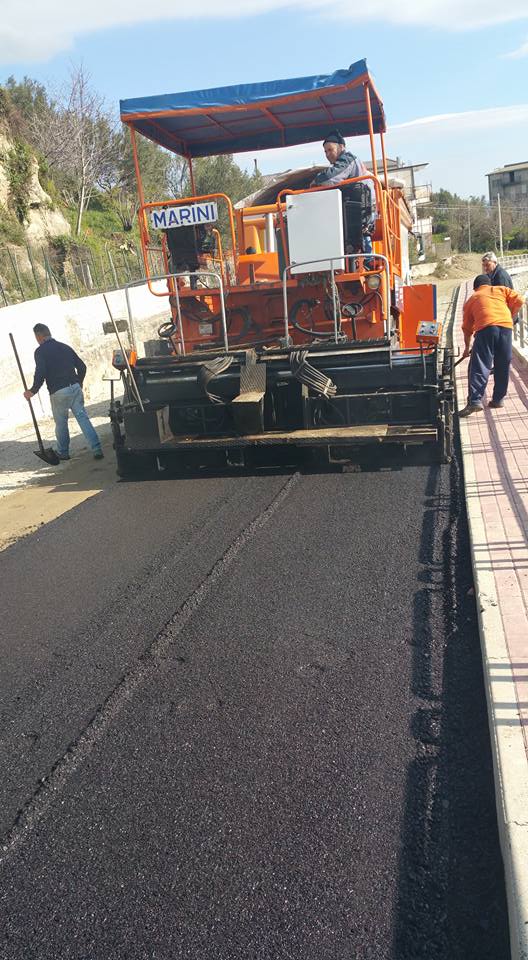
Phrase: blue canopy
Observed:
(258, 116)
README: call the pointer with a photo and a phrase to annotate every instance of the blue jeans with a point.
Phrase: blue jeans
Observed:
(492, 348)
(62, 401)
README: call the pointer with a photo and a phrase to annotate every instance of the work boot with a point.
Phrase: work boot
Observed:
(496, 404)
(470, 408)
(63, 456)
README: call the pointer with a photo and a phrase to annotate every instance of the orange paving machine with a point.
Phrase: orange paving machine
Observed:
(295, 325)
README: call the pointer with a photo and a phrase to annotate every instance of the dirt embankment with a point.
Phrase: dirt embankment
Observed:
(462, 266)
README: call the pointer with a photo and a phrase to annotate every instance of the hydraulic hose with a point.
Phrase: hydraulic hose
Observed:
(313, 332)
(305, 373)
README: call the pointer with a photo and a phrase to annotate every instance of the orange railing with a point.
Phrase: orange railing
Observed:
(146, 208)
(381, 210)
(392, 217)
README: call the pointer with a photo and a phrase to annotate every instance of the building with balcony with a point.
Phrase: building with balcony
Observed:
(510, 183)
(417, 195)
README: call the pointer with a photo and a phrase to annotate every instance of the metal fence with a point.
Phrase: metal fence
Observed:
(29, 272)
(519, 260)
(520, 329)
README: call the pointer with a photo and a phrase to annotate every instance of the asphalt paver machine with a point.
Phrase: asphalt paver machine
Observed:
(285, 331)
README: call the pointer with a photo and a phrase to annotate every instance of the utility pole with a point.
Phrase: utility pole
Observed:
(500, 225)
(469, 226)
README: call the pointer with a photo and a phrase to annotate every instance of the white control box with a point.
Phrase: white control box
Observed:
(315, 230)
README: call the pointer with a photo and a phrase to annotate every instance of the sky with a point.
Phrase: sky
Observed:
(453, 74)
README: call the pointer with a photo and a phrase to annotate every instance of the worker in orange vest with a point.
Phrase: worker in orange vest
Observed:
(488, 318)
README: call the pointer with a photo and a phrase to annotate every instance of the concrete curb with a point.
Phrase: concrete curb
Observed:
(507, 739)
(520, 356)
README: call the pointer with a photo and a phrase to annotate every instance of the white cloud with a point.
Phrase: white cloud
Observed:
(399, 137)
(459, 148)
(32, 30)
(489, 119)
(521, 51)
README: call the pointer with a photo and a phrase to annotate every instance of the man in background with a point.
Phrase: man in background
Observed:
(64, 373)
(499, 277)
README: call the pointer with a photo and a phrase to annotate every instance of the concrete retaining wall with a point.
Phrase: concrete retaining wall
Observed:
(79, 323)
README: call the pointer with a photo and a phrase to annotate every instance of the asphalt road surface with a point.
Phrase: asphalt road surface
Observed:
(243, 718)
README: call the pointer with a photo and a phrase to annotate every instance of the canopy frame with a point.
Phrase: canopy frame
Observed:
(260, 116)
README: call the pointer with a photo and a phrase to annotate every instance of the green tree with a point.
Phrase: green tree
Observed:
(19, 102)
(222, 174)
(484, 225)
(28, 96)
(75, 137)
(19, 171)
(468, 222)
(118, 178)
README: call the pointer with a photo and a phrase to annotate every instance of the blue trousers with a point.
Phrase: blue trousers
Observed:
(62, 401)
(492, 350)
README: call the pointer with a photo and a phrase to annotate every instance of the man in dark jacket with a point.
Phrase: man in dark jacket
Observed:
(64, 373)
(499, 277)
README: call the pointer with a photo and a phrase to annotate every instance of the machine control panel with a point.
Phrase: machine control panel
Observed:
(119, 362)
(429, 331)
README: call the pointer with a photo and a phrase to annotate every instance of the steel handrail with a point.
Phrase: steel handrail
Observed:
(171, 276)
(520, 329)
(175, 202)
(378, 190)
(517, 260)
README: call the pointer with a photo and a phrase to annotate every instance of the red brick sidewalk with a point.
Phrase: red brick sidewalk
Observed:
(495, 463)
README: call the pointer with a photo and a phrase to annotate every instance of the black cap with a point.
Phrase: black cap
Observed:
(334, 137)
(481, 281)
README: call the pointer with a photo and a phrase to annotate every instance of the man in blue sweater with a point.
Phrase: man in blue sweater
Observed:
(64, 373)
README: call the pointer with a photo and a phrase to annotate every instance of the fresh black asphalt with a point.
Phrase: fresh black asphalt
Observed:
(244, 718)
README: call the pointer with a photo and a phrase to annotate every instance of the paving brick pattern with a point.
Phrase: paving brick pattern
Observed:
(498, 444)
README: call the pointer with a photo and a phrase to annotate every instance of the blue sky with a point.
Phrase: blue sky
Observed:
(459, 67)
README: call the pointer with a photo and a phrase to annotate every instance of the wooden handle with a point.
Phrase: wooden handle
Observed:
(33, 417)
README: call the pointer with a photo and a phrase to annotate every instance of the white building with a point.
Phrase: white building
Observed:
(417, 195)
(510, 183)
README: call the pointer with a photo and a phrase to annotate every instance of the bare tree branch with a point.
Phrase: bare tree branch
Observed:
(76, 137)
